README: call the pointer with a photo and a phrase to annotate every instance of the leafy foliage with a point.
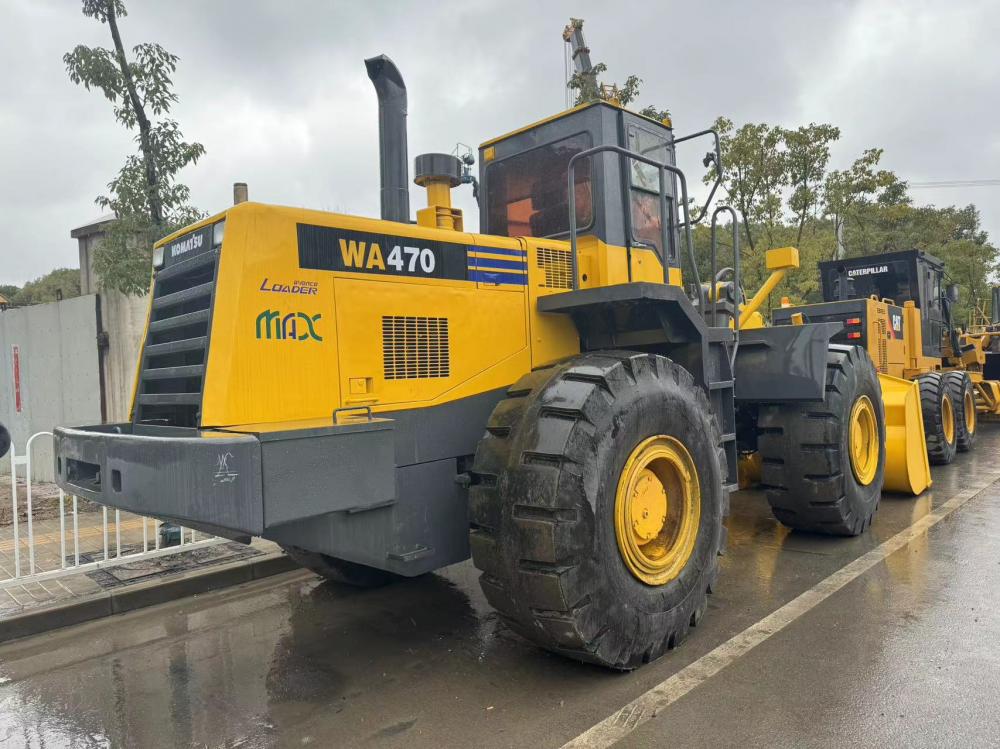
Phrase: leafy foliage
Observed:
(145, 195)
(62, 283)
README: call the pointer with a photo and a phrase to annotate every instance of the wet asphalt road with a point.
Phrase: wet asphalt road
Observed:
(906, 654)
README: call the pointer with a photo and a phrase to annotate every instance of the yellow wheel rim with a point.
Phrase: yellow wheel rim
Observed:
(864, 445)
(657, 510)
(948, 420)
(969, 407)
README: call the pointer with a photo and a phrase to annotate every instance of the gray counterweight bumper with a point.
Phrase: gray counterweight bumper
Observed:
(226, 482)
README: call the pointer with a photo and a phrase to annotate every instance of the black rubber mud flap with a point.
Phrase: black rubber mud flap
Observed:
(543, 500)
(806, 468)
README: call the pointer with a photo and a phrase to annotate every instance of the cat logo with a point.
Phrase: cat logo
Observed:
(897, 323)
(295, 326)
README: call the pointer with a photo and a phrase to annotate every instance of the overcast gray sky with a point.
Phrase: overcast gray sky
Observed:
(277, 92)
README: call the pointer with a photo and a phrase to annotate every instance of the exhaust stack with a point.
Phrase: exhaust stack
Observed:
(393, 160)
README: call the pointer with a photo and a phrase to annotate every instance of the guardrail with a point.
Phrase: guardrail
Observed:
(71, 560)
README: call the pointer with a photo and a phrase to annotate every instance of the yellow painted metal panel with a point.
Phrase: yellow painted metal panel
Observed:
(907, 469)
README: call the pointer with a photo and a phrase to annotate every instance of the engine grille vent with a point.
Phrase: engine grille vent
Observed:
(415, 347)
(883, 347)
(558, 267)
(173, 359)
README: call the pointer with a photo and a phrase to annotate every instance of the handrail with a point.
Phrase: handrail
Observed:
(663, 169)
(737, 283)
(709, 158)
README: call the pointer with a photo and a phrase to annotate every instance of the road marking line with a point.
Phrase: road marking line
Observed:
(646, 706)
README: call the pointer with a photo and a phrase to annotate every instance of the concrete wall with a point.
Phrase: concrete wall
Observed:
(60, 383)
(124, 319)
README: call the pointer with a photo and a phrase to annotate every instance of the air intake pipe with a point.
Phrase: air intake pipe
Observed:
(393, 160)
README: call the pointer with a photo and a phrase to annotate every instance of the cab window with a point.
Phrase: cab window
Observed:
(644, 184)
(528, 192)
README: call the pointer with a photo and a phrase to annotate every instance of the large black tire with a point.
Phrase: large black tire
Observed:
(938, 411)
(963, 400)
(543, 500)
(807, 472)
(340, 570)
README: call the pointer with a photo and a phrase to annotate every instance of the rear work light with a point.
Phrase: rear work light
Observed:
(854, 335)
(853, 320)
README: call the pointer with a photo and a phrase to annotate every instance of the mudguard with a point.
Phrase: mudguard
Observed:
(783, 363)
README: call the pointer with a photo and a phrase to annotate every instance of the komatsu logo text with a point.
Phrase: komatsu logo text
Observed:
(293, 326)
(184, 246)
(869, 271)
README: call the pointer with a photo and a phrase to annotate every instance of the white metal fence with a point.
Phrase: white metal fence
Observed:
(83, 545)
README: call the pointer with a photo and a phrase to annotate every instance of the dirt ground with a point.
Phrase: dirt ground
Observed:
(44, 501)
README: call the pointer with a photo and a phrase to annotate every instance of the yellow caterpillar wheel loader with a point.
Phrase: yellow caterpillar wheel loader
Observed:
(385, 397)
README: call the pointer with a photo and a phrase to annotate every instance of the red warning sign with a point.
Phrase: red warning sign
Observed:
(16, 359)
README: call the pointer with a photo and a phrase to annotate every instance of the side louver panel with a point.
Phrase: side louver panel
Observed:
(415, 347)
(557, 266)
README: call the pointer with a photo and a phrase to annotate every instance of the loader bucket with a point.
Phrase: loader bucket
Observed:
(907, 470)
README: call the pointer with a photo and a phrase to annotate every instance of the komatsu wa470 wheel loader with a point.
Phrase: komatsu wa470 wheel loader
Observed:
(383, 397)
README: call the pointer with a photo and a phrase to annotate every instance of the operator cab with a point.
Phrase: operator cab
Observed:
(524, 179)
(908, 276)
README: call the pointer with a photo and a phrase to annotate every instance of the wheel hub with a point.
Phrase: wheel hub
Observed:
(864, 444)
(969, 407)
(657, 510)
(948, 420)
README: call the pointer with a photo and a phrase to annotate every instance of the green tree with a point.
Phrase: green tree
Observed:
(851, 192)
(755, 173)
(145, 194)
(807, 154)
(61, 283)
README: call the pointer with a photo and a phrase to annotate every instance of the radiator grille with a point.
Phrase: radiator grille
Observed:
(172, 376)
(415, 347)
(883, 347)
(558, 267)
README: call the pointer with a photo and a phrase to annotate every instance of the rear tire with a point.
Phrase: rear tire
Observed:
(810, 477)
(545, 496)
(938, 411)
(340, 570)
(963, 399)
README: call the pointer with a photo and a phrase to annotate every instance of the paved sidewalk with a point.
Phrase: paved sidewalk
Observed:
(100, 536)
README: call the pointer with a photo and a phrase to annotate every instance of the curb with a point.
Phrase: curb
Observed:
(141, 595)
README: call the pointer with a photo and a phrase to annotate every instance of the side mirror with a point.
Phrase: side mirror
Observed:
(4, 440)
(951, 291)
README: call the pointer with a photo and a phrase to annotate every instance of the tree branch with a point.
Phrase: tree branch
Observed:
(145, 142)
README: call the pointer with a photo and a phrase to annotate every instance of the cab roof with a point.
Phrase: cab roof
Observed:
(567, 113)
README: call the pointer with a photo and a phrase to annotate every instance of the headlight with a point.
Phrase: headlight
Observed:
(218, 230)
(158, 257)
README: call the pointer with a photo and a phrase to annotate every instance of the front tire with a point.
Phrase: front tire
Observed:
(938, 411)
(823, 464)
(568, 558)
(963, 400)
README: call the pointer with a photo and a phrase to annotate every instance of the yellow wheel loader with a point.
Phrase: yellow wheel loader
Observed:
(384, 397)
